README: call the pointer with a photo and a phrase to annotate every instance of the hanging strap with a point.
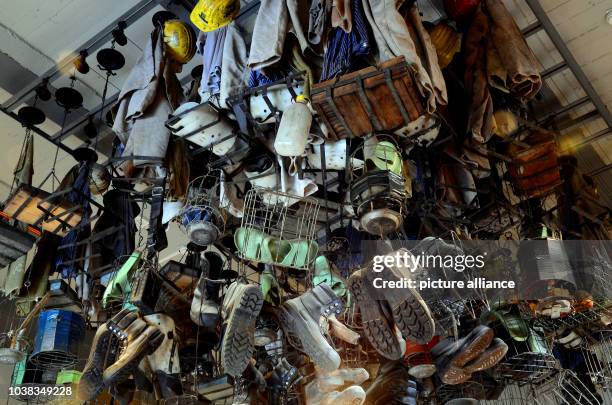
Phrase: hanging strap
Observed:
(157, 240)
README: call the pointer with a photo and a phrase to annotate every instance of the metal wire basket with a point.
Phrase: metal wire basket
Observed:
(563, 388)
(597, 352)
(202, 218)
(469, 389)
(573, 320)
(278, 228)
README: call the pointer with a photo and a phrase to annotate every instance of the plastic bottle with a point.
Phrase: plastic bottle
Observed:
(292, 135)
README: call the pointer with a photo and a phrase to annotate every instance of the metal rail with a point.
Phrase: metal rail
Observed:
(569, 62)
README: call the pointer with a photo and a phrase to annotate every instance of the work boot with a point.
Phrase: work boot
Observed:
(102, 353)
(301, 317)
(280, 381)
(393, 385)
(240, 309)
(457, 360)
(205, 303)
(165, 359)
(385, 312)
(138, 339)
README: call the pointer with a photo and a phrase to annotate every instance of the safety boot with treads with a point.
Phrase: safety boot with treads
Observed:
(301, 317)
(240, 309)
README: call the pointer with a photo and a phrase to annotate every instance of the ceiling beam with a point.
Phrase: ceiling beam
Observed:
(567, 55)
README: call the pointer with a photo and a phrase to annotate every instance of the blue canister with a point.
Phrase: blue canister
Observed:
(57, 339)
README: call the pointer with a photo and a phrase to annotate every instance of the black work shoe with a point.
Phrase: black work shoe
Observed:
(393, 385)
(386, 311)
(301, 317)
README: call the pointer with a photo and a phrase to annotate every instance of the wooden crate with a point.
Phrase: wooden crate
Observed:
(374, 99)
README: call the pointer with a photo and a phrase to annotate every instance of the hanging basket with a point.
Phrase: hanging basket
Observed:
(58, 335)
(202, 218)
(278, 228)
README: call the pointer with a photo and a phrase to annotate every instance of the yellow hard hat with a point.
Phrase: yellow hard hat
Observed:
(180, 40)
(209, 15)
(505, 122)
(446, 41)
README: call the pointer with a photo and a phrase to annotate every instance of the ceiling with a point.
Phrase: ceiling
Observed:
(40, 37)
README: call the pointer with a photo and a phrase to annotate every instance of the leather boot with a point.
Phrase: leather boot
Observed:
(393, 385)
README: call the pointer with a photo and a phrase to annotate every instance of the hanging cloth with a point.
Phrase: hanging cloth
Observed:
(24, 170)
(344, 49)
(78, 180)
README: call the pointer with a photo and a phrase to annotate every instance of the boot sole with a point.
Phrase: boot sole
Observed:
(474, 347)
(489, 358)
(313, 343)
(237, 346)
(375, 326)
(454, 375)
(411, 313)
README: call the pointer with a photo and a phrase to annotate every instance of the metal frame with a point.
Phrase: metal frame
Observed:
(569, 62)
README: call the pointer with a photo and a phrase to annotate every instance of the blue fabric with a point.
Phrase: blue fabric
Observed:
(79, 196)
(257, 78)
(194, 214)
(570, 359)
(343, 50)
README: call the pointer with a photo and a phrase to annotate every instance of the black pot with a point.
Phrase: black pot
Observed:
(31, 115)
(110, 59)
(68, 98)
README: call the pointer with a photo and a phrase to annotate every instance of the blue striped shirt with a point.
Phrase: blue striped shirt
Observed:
(344, 49)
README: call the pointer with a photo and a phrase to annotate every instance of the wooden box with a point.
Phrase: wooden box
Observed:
(374, 99)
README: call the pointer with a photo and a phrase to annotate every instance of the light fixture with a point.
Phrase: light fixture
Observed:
(90, 129)
(42, 91)
(80, 63)
(119, 34)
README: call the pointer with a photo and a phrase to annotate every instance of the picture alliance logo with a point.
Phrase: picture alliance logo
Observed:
(406, 259)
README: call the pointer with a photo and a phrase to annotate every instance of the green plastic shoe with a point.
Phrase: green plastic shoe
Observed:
(119, 288)
(513, 322)
(269, 286)
(302, 254)
(257, 246)
(323, 275)
(385, 156)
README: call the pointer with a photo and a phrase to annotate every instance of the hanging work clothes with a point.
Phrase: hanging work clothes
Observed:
(344, 49)
(149, 95)
(210, 45)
